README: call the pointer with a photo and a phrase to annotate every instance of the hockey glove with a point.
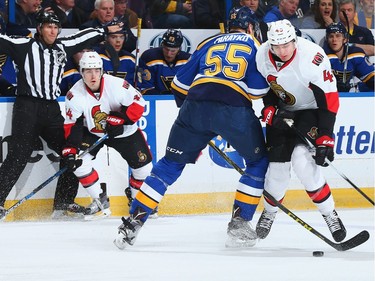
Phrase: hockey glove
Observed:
(275, 117)
(324, 149)
(115, 123)
(69, 159)
(343, 87)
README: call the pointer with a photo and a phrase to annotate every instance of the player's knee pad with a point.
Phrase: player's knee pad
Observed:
(142, 172)
(86, 166)
(255, 172)
(167, 171)
(277, 179)
(306, 170)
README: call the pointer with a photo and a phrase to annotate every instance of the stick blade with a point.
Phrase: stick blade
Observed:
(355, 241)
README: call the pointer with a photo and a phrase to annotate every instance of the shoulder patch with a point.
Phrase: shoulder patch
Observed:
(318, 59)
(69, 95)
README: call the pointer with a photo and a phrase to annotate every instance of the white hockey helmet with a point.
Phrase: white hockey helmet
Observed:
(90, 60)
(281, 32)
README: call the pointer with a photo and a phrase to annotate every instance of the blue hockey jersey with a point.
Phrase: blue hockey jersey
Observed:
(358, 66)
(156, 73)
(222, 68)
(123, 68)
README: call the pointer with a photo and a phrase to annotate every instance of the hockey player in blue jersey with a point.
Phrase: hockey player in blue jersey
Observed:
(357, 64)
(217, 86)
(117, 61)
(158, 66)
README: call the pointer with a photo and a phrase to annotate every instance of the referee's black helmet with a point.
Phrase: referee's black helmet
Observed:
(44, 16)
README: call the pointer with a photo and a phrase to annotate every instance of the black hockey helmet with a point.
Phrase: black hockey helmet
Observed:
(242, 17)
(172, 38)
(44, 16)
(336, 27)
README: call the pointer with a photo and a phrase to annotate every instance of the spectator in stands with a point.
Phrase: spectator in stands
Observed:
(24, 18)
(365, 16)
(358, 35)
(285, 10)
(116, 61)
(346, 66)
(254, 6)
(209, 14)
(323, 13)
(69, 15)
(123, 13)
(105, 15)
(158, 66)
(87, 6)
(171, 14)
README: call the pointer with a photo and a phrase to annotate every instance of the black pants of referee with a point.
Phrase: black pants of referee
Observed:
(33, 118)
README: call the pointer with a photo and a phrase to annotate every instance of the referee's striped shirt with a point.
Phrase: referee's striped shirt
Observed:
(40, 67)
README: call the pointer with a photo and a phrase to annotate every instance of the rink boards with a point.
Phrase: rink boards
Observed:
(208, 186)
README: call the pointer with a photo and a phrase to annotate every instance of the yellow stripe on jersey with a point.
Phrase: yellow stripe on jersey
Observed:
(178, 89)
(226, 83)
(246, 198)
(145, 200)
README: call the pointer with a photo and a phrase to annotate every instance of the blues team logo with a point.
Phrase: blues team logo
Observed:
(156, 40)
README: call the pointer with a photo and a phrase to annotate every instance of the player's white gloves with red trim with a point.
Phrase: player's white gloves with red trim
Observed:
(324, 149)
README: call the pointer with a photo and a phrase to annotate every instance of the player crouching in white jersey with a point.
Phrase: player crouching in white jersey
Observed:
(98, 104)
(303, 88)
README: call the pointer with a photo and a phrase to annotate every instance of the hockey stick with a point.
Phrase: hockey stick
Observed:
(355, 241)
(290, 123)
(346, 49)
(139, 27)
(47, 181)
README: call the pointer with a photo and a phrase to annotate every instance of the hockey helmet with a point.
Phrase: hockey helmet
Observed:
(90, 60)
(281, 32)
(242, 17)
(44, 16)
(336, 28)
(172, 38)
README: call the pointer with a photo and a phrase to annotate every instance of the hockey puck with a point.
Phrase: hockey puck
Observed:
(318, 253)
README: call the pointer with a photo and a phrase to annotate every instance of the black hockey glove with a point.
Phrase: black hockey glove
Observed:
(273, 116)
(69, 158)
(115, 123)
(343, 87)
(324, 149)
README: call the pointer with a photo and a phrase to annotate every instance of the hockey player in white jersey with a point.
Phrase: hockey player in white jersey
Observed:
(98, 104)
(303, 89)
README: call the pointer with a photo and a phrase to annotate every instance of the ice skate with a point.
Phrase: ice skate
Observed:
(2, 213)
(128, 193)
(71, 211)
(99, 208)
(336, 226)
(264, 224)
(240, 234)
(127, 232)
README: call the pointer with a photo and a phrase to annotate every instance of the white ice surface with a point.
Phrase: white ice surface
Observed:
(183, 248)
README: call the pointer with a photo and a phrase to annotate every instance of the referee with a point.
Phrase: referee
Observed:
(36, 112)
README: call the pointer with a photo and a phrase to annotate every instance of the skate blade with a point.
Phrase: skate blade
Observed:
(153, 216)
(99, 215)
(119, 242)
(238, 243)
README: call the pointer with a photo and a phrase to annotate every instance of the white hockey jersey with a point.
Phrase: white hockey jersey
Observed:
(114, 94)
(291, 81)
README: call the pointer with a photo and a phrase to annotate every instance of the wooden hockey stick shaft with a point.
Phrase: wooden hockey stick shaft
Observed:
(139, 28)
